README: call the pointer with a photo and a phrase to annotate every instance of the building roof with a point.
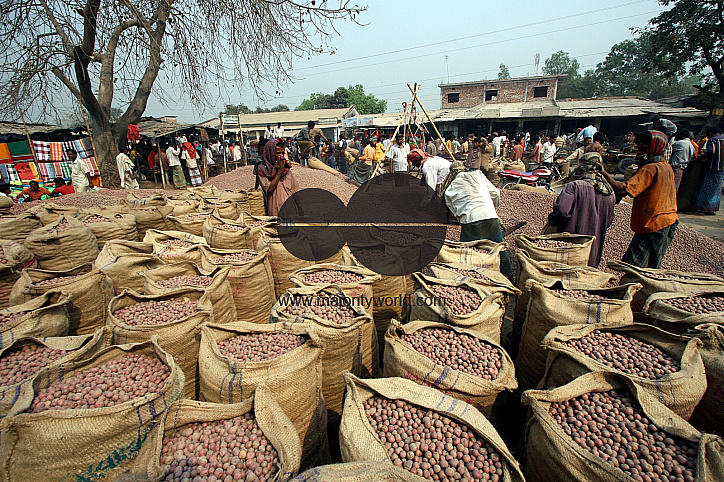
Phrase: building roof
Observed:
(150, 127)
(289, 119)
(20, 129)
(505, 81)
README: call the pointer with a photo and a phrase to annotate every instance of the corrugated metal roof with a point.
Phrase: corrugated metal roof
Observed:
(290, 118)
(157, 128)
(623, 107)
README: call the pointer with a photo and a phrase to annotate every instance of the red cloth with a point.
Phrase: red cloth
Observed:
(64, 189)
(152, 159)
(133, 134)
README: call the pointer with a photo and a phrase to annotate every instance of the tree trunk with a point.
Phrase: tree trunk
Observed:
(106, 150)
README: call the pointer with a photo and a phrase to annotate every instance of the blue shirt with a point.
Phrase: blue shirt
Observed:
(587, 132)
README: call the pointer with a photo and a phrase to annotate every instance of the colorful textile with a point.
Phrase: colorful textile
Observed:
(42, 150)
(9, 172)
(179, 181)
(83, 147)
(56, 152)
(647, 250)
(92, 166)
(67, 145)
(63, 169)
(133, 133)
(707, 196)
(4, 153)
(47, 171)
(195, 176)
(25, 171)
(20, 151)
(715, 152)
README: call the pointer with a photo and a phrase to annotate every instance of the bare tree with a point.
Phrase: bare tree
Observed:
(97, 49)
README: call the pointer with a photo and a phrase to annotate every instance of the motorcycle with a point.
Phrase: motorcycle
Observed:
(539, 176)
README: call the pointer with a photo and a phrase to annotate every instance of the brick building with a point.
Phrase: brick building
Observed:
(465, 95)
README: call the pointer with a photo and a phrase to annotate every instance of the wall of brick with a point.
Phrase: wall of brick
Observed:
(474, 94)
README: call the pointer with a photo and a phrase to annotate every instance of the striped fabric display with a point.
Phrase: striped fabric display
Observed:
(25, 171)
(47, 171)
(67, 145)
(64, 168)
(9, 172)
(20, 151)
(5, 153)
(42, 150)
(56, 151)
(92, 166)
(83, 147)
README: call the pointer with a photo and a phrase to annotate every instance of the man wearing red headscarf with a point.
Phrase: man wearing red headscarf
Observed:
(653, 188)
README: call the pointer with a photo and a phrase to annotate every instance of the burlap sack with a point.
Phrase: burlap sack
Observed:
(575, 255)
(282, 262)
(65, 249)
(14, 257)
(662, 281)
(183, 206)
(154, 217)
(350, 347)
(223, 238)
(118, 227)
(548, 309)
(361, 290)
(180, 338)
(239, 196)
(402, 360)
(656, 307)
(191, 223)
(218, 292)
(87, 444)
(17, 228)
(121, 261)
(553, 455)
(91, 292)
(487, 254)
(709, 413)
(359, 442)
(249, 280)
(44, 316)
(257, 230)
(77, 348)
(487, 319)
(315, 163)
(294, 380)
(225, 208)
(256, 203)
(324, 241)
(680, 391)
(519, 166)
(573, 277)
(6, 204)
(136, 201)
(490, 279)
(409, 253)
(204, 191)
(49, 212)
(357, 472)
(266, 411)
(174, 254)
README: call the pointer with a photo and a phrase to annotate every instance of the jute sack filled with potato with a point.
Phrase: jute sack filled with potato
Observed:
(214, 283)
(46, 315)
(667, 366)
(49, 212)
(482, 253)
(111, 228)
(63, 245)
(407, 244)
(30, 357)
(282, 262)
(250, 278)
(260, 227)
(490, 279)
(687, 309)
(192, 223)
(709, 413)
(226, 233)
(14, 258)
(136, 318)
(357, 472)
(553, 304)
(566, 248)
(90, 288)
(544, 272)
(462, 304)
(175, 246)
(355, 281)
(256, 202)
(122, 261)
(655, 281)
(17, 228)
(325, 240)
(105, 443)
(235, 358)
(553, 454)
(360, 441)
(226, 208)
(411, 353)
(152, 217)
(183, 206)
(347, 332)
(136, 201)
(188, 422)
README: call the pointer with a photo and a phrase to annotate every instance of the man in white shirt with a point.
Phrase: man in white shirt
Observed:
(682, 152)
(434, 171)
(586, 132)
(236, 153)
(268, 132)
(125, 169)
(279, 131)
(79, 172)
(397, 153)
(497, 140)
(472, 198)
(173, 154)
(549, 150)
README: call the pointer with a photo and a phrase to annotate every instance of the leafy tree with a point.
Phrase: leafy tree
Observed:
(345, 97)
(689, 38)
(237, 109)
(560, 63)
(504, 72)
(96, 50)
(279, 108)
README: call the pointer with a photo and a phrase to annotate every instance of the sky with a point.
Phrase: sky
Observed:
(402, 41)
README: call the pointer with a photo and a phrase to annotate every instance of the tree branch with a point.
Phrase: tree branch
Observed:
(66, 81)
(108, 59)
(58, 28)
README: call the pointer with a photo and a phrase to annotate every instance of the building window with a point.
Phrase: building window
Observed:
(540, 91)
(491, 95)
(453, 98)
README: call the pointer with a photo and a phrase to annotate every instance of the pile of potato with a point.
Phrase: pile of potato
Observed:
(580, 295)
(234, 258)
(612, 426)
(226, 450)
(176, 243)
(698, 304)
(231, 227)
(431, 445)
(625, 353)
(9, 318)
(397, 237)
(95, 218)
(332, 276)
(22, 363)
(191, 217)
(186, 280)
(552, 243)
(469, 273)
(368, 256)
(254, 347)
(116, 381)
(458, 351)
(59, 279)
(156, 312)
(256, 223)
(458, 299)
(324, 306)
(670, 276)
